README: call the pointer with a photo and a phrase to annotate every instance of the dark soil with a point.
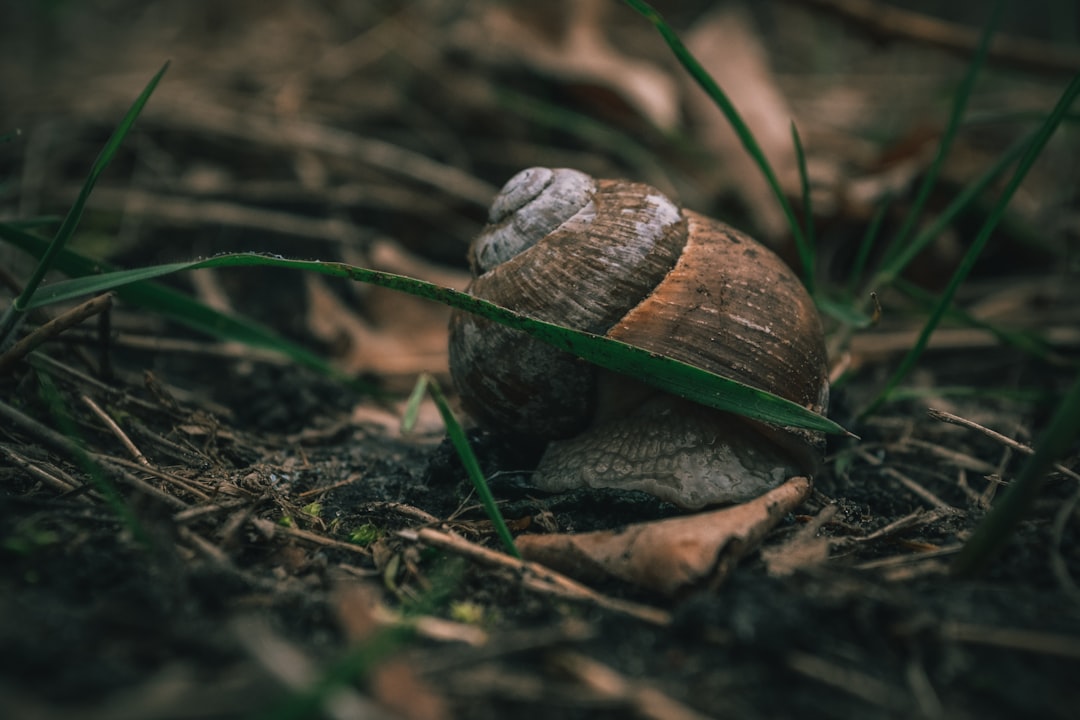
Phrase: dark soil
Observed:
(262, 561)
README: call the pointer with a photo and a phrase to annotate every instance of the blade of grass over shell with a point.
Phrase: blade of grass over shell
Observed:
(997, 527)
(746, 137)
(1031, 153)
(177, 306)
(665, 373)
(427, 384)
(960, 101)
(16, 310)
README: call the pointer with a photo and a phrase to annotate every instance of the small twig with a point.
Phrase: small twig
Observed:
(609, 684)
(848, 680)
(908, 558)
(954, 457)
(116, 430)
(161, 475)
(919, 517)
(884, 20)
(948, 417)
(1014, 639)
(919, 490)
(327, 488)
(1057, 562)
(537, 577)
(311, 537)
(402, 509)
(211, 508)
(127, 478)
(53, 328)
(57, 483)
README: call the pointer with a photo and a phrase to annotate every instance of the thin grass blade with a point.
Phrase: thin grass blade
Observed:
(472, 466)
(998, 526)
(1032, 152)
(960, 101)
(746, 137)
(665, 373)
(71, 220)
(183, 309)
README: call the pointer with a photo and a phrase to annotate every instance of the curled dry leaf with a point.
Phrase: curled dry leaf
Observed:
(673, 555)
(570, 44)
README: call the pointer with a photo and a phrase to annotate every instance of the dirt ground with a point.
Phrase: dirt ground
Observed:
(192, 528)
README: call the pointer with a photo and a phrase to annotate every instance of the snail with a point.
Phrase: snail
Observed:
(620, 259)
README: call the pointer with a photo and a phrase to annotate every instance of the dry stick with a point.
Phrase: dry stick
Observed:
(885, 20)
(609, 684)
(303, 135)
(314, 538)
(536, 576)
(848, 680)
(1004, 440)
(115, 429)
(58, 484)
(919, 490)
(75, 376)
(138, 483)
(53, 328)
(201, 511)
(1014, 639)
(327, 488)
(908, 558)
(44, 434)
(1057, 562)
(959, 459)
(160, 475)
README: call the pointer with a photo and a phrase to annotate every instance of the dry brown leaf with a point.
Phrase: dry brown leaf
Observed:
(672, 555)
(577, 52)
(388, 333)
(727, 46)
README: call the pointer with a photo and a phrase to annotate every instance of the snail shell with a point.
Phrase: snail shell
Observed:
(620, 259)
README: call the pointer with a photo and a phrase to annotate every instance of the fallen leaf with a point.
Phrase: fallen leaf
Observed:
(570, 44)
(673, 555)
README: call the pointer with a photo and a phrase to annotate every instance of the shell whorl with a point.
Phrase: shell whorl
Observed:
(532, 204)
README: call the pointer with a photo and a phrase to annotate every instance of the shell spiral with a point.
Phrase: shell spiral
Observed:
(618, 258)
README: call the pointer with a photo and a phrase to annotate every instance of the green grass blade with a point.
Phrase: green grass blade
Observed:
(891, 270)
(862, 255)
(665, 373)
(1028, 342)
(804, 182)
(996, 528)
(960, 101)
(71, 220)
(468, 458)
(182, 308)
(1032, 152)
(746, 137)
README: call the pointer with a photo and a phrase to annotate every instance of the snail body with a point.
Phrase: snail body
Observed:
(620, 259)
